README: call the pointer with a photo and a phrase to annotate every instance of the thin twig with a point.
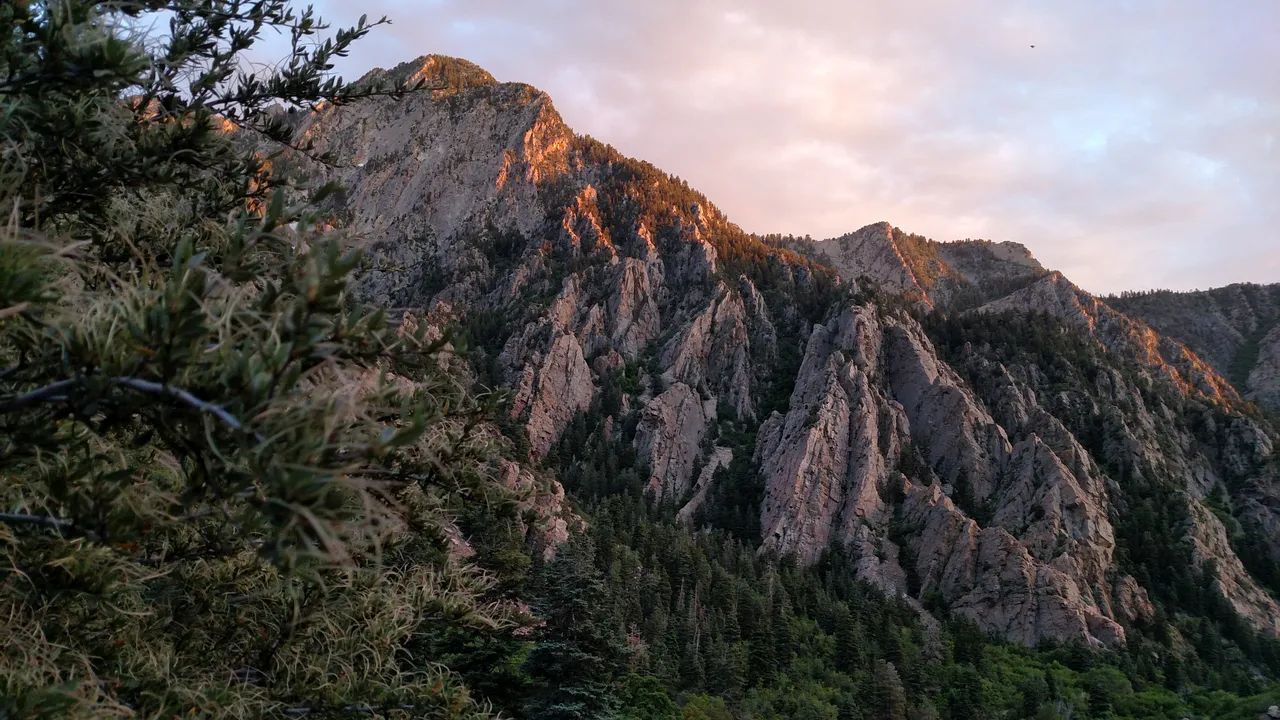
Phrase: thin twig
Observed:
(62, 526)
(54, 392)
(186, 397)
(15, 309)
(35, 396)
(348, 708)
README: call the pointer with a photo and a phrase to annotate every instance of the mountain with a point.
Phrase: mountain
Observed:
(1234, 328)
(973, 434)
(927, 271)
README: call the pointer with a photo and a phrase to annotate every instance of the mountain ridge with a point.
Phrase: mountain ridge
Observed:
(1236, 328)
(595, 285)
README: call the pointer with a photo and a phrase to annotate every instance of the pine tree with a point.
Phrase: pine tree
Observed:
(225, 482)
(577, 651)
(965, 695)
(889, 699)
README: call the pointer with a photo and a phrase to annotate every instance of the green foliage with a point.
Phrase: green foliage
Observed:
(226, 486)
(577, 651)
(643, 698)
(703, 707)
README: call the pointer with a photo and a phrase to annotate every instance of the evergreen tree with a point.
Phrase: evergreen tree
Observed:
(577, 651)
(965, 695)
(889, 699)
(226, 484)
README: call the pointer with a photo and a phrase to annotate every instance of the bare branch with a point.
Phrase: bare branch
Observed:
(47, 392)
(62, 526)
(55, 392)
(179, 394)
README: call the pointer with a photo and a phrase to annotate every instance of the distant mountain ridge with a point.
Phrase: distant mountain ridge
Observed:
(996, 277)
(1235, 328)
(935, 273)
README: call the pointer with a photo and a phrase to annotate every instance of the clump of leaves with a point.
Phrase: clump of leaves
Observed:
(224, 483)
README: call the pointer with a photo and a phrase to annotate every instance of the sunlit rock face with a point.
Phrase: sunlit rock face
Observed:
(593, 286)
(1235, 328)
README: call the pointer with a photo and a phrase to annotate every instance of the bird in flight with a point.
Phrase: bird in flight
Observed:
(1033, 46)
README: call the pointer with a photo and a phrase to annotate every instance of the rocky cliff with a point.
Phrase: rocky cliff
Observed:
(1056, 296)
(929, 272)
(1235, 328)
(609, 296)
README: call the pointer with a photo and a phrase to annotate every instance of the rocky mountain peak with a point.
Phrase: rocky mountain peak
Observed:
(616, 302)
(1055, 295)
(926, 271)
(438, 72)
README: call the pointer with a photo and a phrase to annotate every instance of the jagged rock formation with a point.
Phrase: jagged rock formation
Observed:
(591, 283)
(1236, 329)
(672, 426)
(926, 271)
(872, 387)
(1059, 297)
(720, 458)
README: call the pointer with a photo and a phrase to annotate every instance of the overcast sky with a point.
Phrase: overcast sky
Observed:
(1134, 147)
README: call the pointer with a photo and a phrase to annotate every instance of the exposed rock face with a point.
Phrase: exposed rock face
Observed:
(634, 310)
(712, 351)
(671, 429)
(476, 193)
(427, 176)
(882, 253)
(591, 281)
(1235, 328)
(558, 389)
(1209, 538)
(720, 458)
(992, 577)
(826, 461)
(960, 435)
(1263, 383)
(932, 272)
(1059, 297)
(869, 386)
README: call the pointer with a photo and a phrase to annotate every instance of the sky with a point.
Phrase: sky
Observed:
(1134, 147)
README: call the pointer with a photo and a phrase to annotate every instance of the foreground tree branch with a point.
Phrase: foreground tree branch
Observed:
(62, 526)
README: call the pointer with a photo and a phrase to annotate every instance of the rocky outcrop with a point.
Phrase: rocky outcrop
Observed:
(554, 387)
(1263, 383)
(1236, 329)
(958, 434)
(881, 253)
(1059, 297)
(870, 389)
(634, 308)
(992, 577)
(713, 351)
(669, 437)
(720, 458)
(934, 273)
(1210, 542)
(438, 177)
(827, 460)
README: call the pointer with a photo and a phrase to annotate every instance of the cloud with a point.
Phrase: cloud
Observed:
(1133, 147)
